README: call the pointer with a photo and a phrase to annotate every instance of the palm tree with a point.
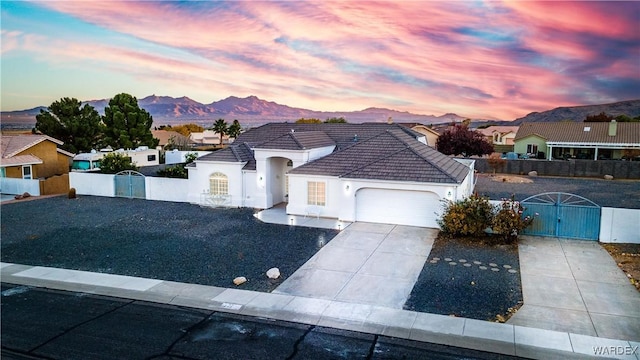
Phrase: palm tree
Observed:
(235, 129)
(221, 127)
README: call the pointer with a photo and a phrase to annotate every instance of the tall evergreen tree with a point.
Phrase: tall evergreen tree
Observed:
(127, 126)
(78, 127)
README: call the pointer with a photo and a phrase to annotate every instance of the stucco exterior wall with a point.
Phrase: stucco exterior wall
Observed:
(340, 194)
(520, 145)
(47, 152)
(53, 163)
(298, 195)
(199, 180)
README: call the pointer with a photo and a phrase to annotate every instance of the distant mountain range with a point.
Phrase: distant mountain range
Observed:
(630, 108)
(252, 111)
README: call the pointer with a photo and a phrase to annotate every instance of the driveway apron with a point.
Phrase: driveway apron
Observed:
(575, 286)
(374, 264)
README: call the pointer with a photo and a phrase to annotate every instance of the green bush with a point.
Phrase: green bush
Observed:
(114, 162)
(179, 170)
(508, 221)
(467, 217)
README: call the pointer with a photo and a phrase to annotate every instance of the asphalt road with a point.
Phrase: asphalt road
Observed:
(47, 324)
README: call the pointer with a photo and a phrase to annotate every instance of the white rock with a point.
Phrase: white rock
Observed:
(273, 273)
(533, 173)
(608, 177)
(240, 280)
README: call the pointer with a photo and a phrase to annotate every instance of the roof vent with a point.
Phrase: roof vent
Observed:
(293, 130)
(587, 128)
(355, 137)
(613, 128)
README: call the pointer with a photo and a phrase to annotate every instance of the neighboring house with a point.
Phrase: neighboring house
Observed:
(430, 134)
(172, 138)
(502, 137)
(30, 157)
(209, 138)
(581, 140)
(371, 172)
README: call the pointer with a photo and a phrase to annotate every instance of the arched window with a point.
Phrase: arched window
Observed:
(218, 184)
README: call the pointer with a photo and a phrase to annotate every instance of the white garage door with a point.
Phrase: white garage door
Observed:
(416, 208)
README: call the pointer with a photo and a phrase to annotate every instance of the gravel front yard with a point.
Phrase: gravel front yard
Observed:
(467, 278)
(152, 239)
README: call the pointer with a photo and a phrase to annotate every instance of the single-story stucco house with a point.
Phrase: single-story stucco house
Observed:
(371, 172)
(582, 140)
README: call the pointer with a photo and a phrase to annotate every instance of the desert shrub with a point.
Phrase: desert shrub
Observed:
(467, 217)
(508, 221)
(115, 162)
(178, 170)
(496, 162)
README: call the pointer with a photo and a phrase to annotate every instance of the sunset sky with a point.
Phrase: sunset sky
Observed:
(474, 58)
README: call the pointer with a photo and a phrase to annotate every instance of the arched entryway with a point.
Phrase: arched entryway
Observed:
(278, 180)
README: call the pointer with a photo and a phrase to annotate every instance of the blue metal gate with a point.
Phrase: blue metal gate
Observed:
(130, 184)
(563, 215)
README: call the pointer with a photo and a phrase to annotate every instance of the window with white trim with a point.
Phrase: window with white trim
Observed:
(218, 184)
(26, 172)
(316, 194)
(532, 149)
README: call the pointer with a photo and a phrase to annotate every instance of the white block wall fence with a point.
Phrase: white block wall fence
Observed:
(620, 225)
(92, 184)
(19, 186)
(617, 225)
(167, 189)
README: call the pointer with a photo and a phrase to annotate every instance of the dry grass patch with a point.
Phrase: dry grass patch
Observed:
(627, 256)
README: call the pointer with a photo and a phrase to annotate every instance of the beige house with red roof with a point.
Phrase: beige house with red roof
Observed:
(579, 140)
(30, 157)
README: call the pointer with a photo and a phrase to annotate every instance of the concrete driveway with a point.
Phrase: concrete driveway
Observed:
(575, 286)
(373, 264)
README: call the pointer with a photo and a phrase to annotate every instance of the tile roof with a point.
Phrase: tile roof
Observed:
(11, 145)
(341, 134)
(391, 155)
(298, 140)
(20, 160)
(364, 151)
(488, 131)
(234, 153)
(574, 132)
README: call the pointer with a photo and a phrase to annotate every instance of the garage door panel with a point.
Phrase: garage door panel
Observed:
(415, 208)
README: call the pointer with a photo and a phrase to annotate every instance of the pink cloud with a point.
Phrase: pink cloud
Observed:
(500, 59)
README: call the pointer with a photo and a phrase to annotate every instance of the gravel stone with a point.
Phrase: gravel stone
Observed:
(154, 239)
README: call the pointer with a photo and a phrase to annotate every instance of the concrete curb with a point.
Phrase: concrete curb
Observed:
(461, 332)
